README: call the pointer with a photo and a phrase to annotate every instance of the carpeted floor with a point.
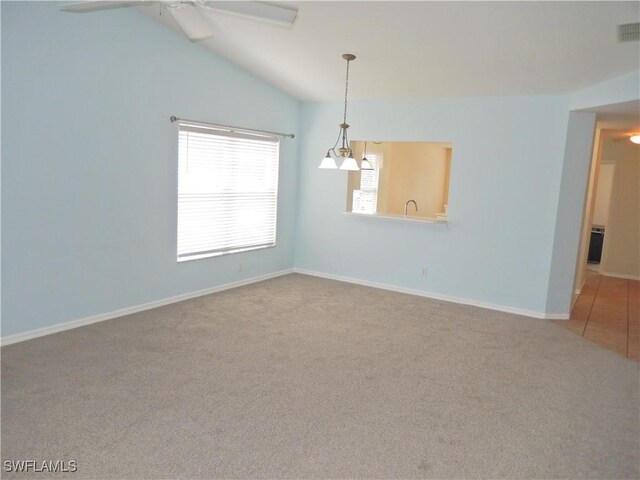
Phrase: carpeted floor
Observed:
(301, 377)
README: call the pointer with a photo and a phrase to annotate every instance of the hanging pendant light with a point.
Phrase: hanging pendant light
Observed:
(365, 164)
(345, 152)
(328, 162)
(349, 163)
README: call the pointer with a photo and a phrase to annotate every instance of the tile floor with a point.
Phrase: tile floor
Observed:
(607, 312)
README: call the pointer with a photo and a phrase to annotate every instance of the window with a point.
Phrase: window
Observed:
(365, 200)
(227, 191)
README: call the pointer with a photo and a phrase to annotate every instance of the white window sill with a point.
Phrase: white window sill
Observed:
(397, 218)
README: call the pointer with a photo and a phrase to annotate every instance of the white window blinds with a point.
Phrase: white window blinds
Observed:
(227, 191)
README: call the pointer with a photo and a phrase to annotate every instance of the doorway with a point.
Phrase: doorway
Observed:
(612, 206)
(600, 215)
(606, 303)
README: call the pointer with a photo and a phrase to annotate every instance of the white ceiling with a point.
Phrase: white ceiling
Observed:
(425, 49)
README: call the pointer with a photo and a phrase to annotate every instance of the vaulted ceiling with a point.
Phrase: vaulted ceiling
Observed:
(426, 49)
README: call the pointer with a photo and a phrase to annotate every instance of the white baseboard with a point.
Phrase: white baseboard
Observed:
(60, 327)
(620, 275)
(437, 296)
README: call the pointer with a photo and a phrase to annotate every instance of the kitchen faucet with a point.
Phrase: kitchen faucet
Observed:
(406, 204)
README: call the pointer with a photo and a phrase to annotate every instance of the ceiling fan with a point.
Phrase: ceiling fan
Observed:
(190, 15)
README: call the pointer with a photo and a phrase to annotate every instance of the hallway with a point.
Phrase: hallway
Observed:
(607, 312)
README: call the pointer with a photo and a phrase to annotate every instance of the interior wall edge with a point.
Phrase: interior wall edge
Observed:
(570, 212)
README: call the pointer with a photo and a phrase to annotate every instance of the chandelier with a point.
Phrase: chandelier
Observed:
(345, 153)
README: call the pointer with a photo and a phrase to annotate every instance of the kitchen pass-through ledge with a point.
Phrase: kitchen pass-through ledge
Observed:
(397, 218)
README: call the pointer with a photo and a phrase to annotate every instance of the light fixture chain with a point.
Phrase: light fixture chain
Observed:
(346, 91)
(346, 153)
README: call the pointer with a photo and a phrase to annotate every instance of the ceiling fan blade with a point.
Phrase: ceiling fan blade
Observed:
(266, 12)
(95, 5)
(192, 22)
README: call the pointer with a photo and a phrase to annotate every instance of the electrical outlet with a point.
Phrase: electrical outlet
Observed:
(240, 267)
(423, 272)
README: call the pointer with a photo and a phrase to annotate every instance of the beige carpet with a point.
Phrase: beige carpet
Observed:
(300, 377)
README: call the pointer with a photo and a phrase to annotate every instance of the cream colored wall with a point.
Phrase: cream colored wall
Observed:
(417, 171)
(621, 253)
(447, 177)
(603, 194)
(585, 237)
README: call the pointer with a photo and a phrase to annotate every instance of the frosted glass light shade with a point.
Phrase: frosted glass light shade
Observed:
(328, 162)
(349, 164)
(365, 164)
(635, 138)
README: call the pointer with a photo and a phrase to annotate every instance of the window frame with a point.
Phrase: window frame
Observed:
(233, 137)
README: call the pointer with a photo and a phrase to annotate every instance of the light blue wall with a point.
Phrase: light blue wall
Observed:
(571, 204)
(89, 162)
(89, 206)
(506, 169)
(616, 90)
